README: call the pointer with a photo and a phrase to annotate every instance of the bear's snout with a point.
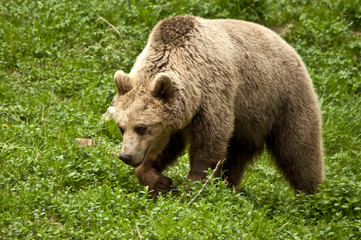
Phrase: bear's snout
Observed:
(126, 158)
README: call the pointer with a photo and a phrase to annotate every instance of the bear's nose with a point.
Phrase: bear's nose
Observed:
(125, 158)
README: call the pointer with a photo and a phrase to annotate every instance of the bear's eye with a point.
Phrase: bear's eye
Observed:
(121, 130)
(140, 130)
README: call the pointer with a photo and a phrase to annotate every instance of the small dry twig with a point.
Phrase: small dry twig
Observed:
(114, 28)
(37, 157)
(138, 231)
(284, 225)
(42, 115)
(82, 142)
(163, 5)
(204, 185)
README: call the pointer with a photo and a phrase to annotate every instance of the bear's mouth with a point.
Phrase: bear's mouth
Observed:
(140, 162)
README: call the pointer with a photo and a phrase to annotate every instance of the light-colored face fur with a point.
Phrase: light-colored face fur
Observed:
(140, 117)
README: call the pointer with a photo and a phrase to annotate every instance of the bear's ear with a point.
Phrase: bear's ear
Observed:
(123, 82)
(161, 87)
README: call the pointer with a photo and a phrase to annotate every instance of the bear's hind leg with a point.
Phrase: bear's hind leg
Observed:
(297, 150)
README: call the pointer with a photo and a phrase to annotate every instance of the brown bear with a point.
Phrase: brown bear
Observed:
(226, 87)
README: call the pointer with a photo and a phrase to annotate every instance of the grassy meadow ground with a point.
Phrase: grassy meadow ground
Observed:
(57, 61)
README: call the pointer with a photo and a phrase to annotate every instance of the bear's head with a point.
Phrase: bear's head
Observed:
(143, 112)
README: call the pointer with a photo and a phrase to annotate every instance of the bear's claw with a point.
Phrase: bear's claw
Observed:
(164, 186)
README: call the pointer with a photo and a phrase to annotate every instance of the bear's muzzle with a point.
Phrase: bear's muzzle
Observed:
(127, 159)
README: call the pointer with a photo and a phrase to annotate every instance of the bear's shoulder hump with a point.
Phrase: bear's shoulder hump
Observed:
(174, 31)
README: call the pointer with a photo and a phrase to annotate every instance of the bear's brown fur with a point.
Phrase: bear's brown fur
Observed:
(226, 87)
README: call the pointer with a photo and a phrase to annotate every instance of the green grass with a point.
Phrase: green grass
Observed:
(57, 60)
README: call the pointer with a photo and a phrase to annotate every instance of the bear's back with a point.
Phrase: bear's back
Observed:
(220, 54)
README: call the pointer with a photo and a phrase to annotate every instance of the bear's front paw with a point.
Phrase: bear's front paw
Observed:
(164, 185)
(157, 182)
